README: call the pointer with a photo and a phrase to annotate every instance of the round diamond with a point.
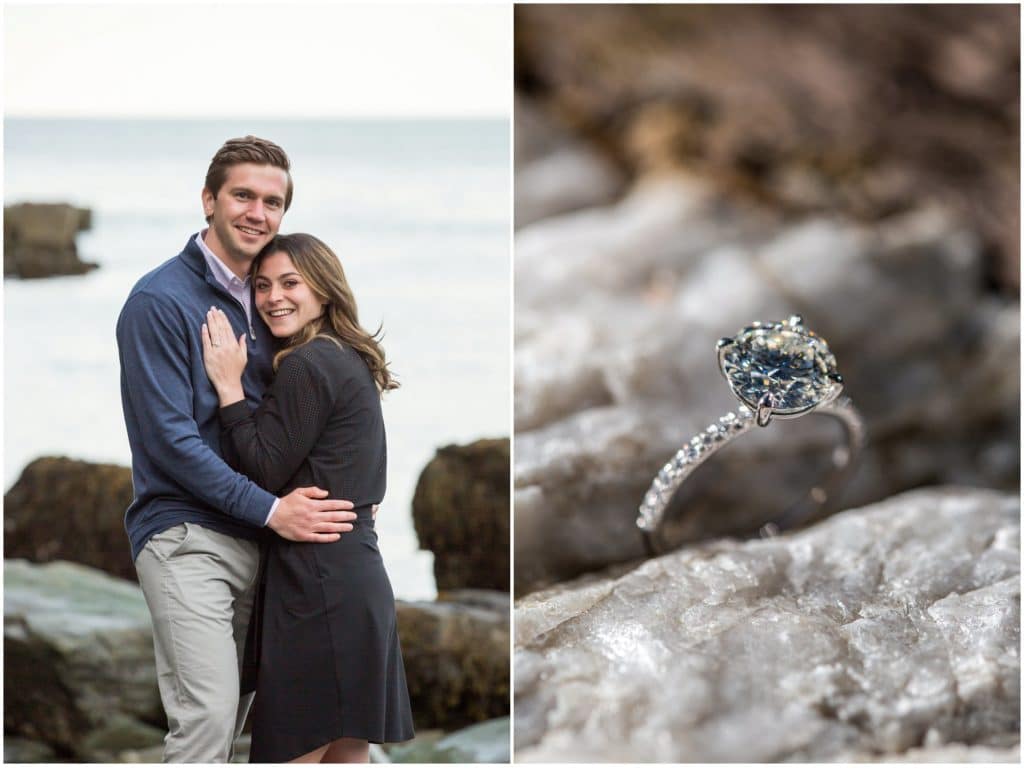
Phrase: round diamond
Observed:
(782, 363)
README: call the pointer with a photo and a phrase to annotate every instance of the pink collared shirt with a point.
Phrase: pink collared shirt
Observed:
(240, 290)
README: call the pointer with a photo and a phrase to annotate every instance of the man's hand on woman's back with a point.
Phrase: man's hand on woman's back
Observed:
(304, 514)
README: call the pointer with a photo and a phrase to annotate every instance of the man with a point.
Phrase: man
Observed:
(195, 524)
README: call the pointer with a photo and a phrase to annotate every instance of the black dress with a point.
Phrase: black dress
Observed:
(330, 664)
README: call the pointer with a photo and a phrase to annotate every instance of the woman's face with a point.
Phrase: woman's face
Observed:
(284, 300)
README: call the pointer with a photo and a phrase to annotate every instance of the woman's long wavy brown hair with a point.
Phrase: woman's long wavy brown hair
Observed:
(323, 273)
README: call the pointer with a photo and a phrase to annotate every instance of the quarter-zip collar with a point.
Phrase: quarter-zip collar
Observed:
(240, 290)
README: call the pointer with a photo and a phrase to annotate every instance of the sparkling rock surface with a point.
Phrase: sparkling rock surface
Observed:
(781, 363)
(889, 632)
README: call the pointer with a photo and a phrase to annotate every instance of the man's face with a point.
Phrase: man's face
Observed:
(246, 212)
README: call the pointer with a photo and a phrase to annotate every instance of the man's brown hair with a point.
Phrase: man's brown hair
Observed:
(248, 149)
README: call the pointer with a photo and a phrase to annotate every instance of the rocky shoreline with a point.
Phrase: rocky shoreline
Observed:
(78, 658)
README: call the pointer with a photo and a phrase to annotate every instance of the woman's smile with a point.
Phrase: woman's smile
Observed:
(283, 298)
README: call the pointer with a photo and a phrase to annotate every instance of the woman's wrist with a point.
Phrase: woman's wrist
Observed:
(229, 395)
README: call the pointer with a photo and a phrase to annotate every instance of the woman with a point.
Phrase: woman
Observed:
(330, 677)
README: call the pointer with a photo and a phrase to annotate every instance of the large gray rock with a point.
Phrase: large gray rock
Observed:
(617, 312)
(78, 660)
(881, 630)
(39, 240)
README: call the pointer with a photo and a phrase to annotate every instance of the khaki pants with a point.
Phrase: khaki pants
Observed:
(200, 586)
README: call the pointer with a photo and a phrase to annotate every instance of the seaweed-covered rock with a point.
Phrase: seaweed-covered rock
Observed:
(456, 662)
(461, 513)
(65, 509)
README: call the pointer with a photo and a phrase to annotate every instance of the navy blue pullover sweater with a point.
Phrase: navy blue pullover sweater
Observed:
(171, 408)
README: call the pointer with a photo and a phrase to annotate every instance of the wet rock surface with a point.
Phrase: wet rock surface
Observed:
(461, 513)
(65, 509)
(889, 632)
(39, 240)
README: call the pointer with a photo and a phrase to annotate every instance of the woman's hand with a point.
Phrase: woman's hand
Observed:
(224, 357)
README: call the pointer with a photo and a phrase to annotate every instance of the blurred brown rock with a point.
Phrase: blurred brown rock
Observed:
(65, 509)
(456, 660)
(39, 240)
(461, 513)
(866, 110)
(555, 172)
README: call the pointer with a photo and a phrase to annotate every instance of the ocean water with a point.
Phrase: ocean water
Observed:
(417, 210)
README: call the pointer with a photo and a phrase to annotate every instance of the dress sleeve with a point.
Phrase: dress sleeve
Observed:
(273, 441)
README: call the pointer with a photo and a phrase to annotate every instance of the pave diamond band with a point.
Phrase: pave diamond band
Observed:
(776, 370)
(702, 446)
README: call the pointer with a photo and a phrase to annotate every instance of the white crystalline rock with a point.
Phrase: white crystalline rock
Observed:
(883, 631)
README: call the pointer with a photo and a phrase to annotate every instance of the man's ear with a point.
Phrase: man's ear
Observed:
(208, 201)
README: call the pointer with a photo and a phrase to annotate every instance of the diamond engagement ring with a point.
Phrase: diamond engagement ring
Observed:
(778, 370)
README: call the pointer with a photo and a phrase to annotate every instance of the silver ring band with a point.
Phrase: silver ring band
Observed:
(703, 446)
(777, 370)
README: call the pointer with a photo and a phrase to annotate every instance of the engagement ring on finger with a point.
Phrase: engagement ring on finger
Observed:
(778, 370)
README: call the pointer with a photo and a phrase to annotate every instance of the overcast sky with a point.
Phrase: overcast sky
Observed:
(257, 60)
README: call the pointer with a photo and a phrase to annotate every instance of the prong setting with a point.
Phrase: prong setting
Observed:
(783, 361)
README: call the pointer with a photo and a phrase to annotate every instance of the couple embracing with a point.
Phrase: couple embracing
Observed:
(251, 396)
